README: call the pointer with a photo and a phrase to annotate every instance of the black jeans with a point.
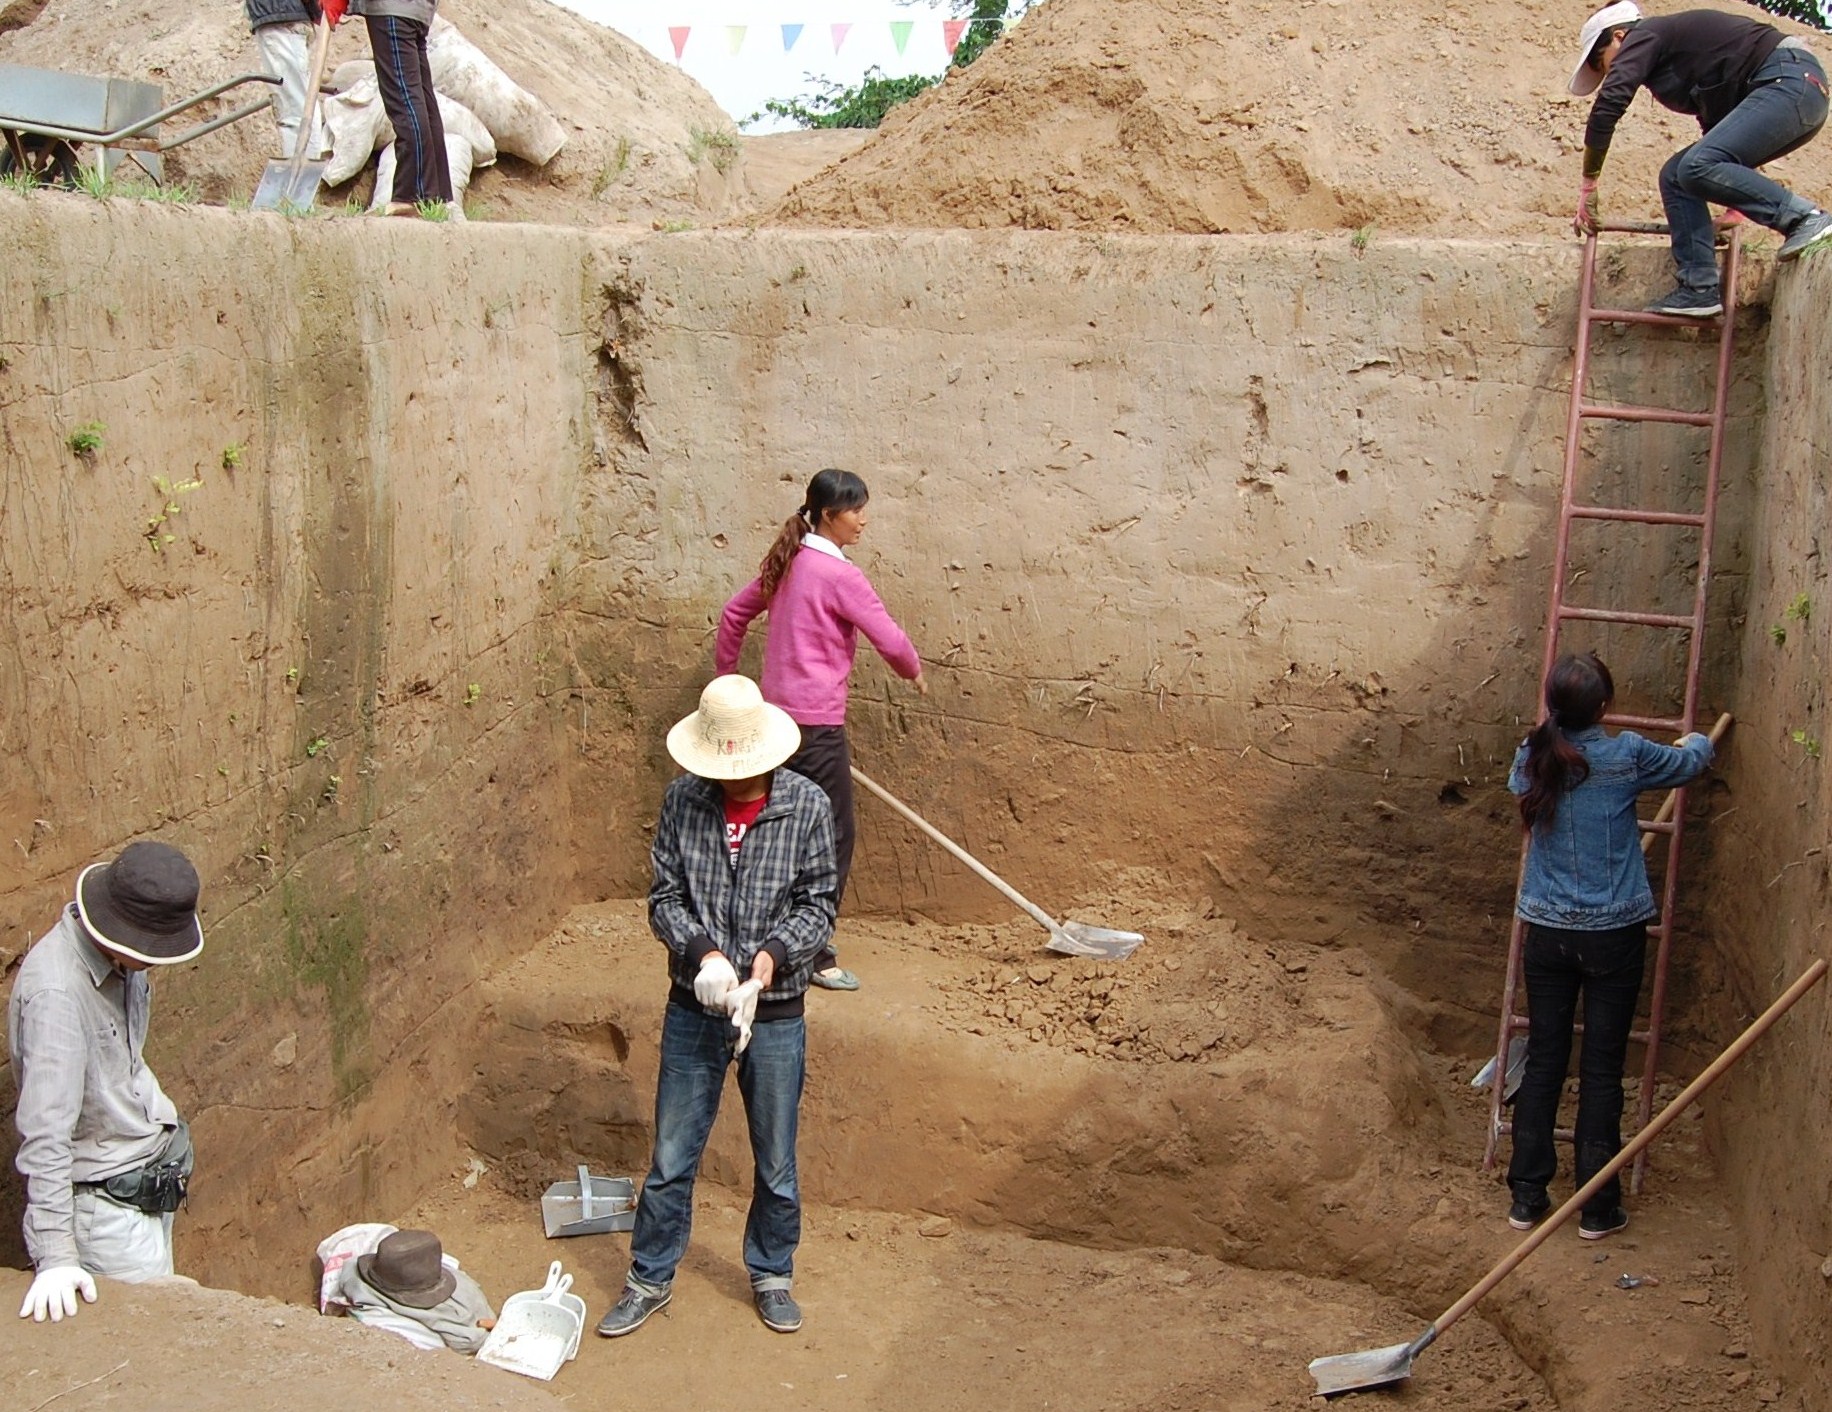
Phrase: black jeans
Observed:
(826, 759)
(1606, 967)
(422, 172)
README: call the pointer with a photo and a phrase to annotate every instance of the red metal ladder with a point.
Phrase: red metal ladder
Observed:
(1671, 820)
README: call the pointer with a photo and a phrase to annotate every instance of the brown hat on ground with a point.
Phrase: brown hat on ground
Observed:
(144, 904)
(408, 1269)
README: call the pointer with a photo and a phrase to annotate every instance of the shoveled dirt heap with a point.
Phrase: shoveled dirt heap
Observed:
(644, 141)
(1264, 115)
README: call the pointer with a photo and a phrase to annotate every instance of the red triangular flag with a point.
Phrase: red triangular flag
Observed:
(951, 34)
(839, 36)
(679, 33)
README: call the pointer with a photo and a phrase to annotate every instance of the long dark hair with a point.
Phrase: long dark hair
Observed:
(829, 490)
(1577, 692)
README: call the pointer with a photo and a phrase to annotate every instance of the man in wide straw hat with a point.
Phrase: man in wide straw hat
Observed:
(744, 885)
(103, 1151)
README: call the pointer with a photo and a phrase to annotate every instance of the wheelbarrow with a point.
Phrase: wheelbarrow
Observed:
(46, 115)
(589, 1206)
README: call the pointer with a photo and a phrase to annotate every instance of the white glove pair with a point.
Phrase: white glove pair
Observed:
(717, 986)
(53, 1293)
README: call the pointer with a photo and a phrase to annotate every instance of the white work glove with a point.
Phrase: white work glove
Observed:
(741, 1004)
(716, 979)
(54, 1291)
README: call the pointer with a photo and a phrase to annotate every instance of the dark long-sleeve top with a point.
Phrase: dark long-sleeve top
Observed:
(1697, 62)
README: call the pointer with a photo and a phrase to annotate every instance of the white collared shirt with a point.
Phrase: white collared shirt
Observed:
(814, 540)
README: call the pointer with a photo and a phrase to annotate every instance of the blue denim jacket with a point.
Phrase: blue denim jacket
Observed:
(1585, 870)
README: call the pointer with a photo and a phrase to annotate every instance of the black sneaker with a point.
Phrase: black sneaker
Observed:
(778, 1312)
(1607, 1224)
(1689, 303)
(629, 1312)
(1807, 230)
(1524, 1215)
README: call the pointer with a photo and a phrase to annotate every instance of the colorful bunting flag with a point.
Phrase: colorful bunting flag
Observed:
(734, 38)
(951, 34)
(839, 36)
(900, 32)
(679, 33)
(790, 33)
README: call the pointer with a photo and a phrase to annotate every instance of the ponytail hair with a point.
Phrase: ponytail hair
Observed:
(1577, 693)
(830, 490)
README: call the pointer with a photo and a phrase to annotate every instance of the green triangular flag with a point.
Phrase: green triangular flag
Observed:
(900, 32)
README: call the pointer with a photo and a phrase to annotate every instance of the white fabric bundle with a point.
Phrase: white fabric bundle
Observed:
(522, 125)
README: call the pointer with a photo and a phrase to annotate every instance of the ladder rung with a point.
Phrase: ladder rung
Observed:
(1657, 826)
(1613, 615)
(1644, 414)
(1642, 316)
(1646, 723)
(1638, 517)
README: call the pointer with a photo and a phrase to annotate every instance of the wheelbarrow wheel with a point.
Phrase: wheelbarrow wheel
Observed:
(46, 161)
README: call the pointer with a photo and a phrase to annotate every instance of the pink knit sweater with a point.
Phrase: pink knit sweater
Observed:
(821, 606)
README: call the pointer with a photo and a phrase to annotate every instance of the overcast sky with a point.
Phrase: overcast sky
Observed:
(746, 51)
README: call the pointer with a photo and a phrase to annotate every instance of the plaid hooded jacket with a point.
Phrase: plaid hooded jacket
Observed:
(779, 898)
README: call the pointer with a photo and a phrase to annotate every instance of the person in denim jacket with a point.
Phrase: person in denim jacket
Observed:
(1585, 898)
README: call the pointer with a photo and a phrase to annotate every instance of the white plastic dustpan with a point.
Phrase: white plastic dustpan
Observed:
(555, 1291)
(534, 1336)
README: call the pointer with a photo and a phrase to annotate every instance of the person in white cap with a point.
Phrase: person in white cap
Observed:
(744, 885)
(105, 1156)
(1757, 96)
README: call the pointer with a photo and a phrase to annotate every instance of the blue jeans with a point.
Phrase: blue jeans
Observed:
(696, 1051)
(1784, 110)
(1606, 968)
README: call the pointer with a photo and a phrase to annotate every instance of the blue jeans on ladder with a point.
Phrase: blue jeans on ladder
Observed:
(1606, 968)
(696, 1051)
(1785, 108)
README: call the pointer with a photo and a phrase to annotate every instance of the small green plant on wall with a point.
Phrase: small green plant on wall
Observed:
(1808, 743)
(471, 693)
(171, 492)
(233, 456)
(1800, 609)
(86, 440)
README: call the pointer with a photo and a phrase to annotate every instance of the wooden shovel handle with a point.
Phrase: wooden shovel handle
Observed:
(1810, 978)
(1667, 805)
(321, 43)
(1016, 898)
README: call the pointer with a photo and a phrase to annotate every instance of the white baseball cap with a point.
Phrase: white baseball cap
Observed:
(1585, 79)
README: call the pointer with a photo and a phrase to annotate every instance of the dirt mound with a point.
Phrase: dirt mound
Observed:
(1260, 115)
(644, 141)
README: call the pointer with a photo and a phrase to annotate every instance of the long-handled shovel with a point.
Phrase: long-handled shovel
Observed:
(1069, 938)
(1351, 1372)
(293, 184)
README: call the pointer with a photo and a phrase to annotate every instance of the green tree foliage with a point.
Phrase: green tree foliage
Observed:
(1806, 12)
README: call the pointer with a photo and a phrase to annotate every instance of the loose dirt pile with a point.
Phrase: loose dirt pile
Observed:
(645, 143)
(1262, 115)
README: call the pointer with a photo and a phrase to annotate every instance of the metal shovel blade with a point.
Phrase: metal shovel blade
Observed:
(1080, 939)
(1517, 1068)
(1350, 1372)
(282, 189)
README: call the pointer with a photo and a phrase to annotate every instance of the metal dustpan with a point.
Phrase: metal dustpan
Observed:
(534, 1337)
(1517, 1066)
(589, 1206)
(292, 184)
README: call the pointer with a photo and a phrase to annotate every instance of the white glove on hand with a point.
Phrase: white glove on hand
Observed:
(741, 1003)
(715, 980)
(53, 1293)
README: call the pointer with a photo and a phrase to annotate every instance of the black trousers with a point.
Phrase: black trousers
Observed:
(1559, 965)
(405, 76)
(826, 759)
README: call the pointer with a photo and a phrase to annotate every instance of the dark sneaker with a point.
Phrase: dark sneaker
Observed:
(778, 1312)
(1524, 1215)
(1607, 1224)
(629, 1313)
(1689, 303)
(1807, 231)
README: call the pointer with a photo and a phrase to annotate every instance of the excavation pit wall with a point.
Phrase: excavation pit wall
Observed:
(1228, 557)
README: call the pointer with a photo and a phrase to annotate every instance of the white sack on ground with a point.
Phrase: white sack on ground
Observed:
(457, 157)
(466, 124)
(522, 125)
(350, 73)
(358, 126)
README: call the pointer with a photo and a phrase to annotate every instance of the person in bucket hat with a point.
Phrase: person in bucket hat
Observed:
(1757, 96)
(744, 882)
(103, 1151)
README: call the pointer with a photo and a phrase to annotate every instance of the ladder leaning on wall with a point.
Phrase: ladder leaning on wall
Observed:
(1670, 822)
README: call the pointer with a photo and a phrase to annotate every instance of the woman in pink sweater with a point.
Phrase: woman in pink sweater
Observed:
(818, 604)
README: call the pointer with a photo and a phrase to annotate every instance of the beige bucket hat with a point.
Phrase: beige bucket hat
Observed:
(735, 734)
(1585, 79)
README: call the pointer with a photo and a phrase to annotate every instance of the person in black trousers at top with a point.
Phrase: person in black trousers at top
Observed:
(397, 36)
